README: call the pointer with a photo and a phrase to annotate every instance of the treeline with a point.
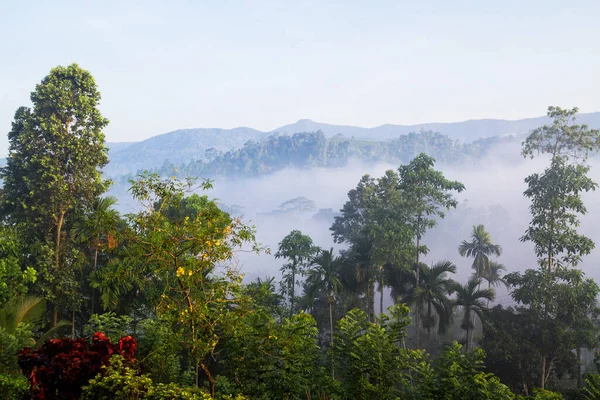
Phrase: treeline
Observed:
(97, 305)
(313, 149)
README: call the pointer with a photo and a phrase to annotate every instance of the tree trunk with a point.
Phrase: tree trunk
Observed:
(331, 333)
(293, 288)
(94, 290)
(54, 315)
(73, 324)
(578, 368)
(210, 378)
(380, 296)
(371, 299)
(417, 284)
(543, 380)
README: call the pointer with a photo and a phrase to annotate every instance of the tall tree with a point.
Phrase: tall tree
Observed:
(470, 299)
(298, 249)
(56, 149)
(432, 295)
(430, 194)
(480, 248)
(322, 276)
(556, 194)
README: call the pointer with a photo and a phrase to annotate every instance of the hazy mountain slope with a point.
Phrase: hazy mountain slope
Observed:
(178, 146)
(186, 145)
(466, 130)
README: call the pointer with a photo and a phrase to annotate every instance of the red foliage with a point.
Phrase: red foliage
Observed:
(61, 367)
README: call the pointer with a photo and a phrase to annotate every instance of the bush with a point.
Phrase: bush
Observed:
(13, 387)
(61, 367)
(120, 381)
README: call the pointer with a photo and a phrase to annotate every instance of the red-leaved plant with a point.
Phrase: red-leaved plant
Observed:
(61, 367)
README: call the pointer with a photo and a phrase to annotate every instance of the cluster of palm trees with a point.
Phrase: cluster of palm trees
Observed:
(339, 283)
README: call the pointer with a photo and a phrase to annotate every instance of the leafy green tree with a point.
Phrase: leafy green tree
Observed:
(55, 151)
(369, 358)
(430, 194)
(556, 194)
(431, 295)
(563, 304)
(322, 276)
(480, 248)
(470, 298)
(298, 249)
(183, 240)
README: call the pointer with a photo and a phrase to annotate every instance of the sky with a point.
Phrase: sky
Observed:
(162, 66)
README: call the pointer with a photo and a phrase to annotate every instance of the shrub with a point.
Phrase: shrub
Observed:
(13, 387)
(61, 367)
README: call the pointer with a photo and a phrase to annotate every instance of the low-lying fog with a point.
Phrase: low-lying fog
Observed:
(493, 197)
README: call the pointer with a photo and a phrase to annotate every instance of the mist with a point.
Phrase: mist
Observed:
(493, 197)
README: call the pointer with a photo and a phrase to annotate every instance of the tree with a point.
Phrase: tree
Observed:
(432, 294)
(297, 248)
(493, 276)
(480, 248)
(430, 194)
(323, 277)
(98, 228)
(556, 194)
(564, 305)
(14, 277)
(183, 240)
(470, 299)
(55, 151)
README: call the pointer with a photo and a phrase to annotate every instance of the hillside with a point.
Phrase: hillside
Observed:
(183, 146)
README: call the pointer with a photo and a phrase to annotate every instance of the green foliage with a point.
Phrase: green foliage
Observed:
(370, 362)
(459, 375)
(298, 249)
(592, 387)
(13, 387)
(480, 248)
(159, 351)
(120, 381)
(470, 298)
(113, 326)
(52, 173)
(14, 279)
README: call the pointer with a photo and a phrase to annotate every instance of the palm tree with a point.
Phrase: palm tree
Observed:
(322, 276)
(98, 229)
(27, 310)
(470, 298)
(493, 276)
(480, 248)
(432, 294)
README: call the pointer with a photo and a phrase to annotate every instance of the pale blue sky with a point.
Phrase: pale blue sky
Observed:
(164, 65)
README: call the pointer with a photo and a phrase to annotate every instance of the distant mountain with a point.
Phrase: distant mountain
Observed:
(206, 144)
(179, 146)
(465, 131)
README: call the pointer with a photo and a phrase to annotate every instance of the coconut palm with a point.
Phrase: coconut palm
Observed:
(480, 248)
(494, 277)
(431, 295)
(322, 276)
(470, 298)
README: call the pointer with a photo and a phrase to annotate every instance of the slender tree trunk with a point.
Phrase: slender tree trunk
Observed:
(543, 379)
(371, 299)
(59, 224)
(331, 320)
(331, 334)
(94, 290)
(292, 290)
(380, 296)
(73, 324)
(417, 284)
(578, 368)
